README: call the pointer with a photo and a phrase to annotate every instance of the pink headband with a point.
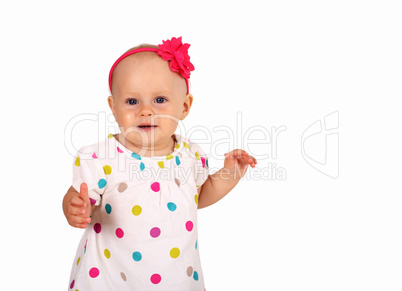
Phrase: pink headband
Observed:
(173, 51)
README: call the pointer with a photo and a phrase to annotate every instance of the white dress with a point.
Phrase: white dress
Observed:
(143, 234)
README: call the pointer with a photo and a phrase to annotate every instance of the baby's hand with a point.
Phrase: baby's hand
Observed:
(237, 162)
(77, 207)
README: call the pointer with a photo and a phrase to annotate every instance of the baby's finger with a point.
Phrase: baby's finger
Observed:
(78, 221)
(255, 160)
(251, 160)
(77, 201)
(72, 210)
(235, 154)
(240, 153)
(245, 158)
(84, 192)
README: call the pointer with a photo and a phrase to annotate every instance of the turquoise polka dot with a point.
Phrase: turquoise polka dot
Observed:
(195, 275)
(101, 183)
(177, 160)
(142, 166)
(207, 163)
(171, 206)
(108, 208)
(137, 256)
(196, 244)
(136, 156)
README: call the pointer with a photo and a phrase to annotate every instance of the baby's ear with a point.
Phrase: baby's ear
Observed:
(188, 101)
(111, 104)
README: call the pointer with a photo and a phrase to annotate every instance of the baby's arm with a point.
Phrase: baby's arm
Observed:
(77, 207)
(220, 183)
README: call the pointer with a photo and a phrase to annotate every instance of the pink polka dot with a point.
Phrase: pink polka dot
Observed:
(155, 186)
(97, 227)
(94, 272)
(155, 232)
(119, 150)
(156, 278)
(119, 233)
(72, 284)
(189, 225)
(92, 201)
(203, 162)
(94, 156)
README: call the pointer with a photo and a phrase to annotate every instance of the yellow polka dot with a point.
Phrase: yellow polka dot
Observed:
(107, 169)
(186, 145)
(197, 155)
(174, 253)
(177, 146)
(137, 210)
(78, 261)
(107, 253)
(196, 199)
(110, 135)
(77, 161)
(161, 164)
(168, 157)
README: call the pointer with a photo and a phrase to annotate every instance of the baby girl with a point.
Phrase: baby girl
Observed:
(137, 192)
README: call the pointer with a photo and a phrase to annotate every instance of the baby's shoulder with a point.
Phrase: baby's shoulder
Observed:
(193, 149)
(95, 150)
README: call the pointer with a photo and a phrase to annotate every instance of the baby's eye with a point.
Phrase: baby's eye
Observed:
(132, 101)
(160, 99)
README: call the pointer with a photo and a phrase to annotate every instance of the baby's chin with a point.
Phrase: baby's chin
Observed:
(146, 139)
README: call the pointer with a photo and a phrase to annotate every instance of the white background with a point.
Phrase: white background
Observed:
(274, 63)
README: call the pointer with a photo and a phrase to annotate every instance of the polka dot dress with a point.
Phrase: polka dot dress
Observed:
(143, 234)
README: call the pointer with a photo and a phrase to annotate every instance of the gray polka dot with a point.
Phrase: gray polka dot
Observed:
(177, 181)
(122, 187)
(123, 276)
(189, 271)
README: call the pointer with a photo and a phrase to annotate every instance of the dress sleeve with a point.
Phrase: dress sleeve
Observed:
(87, 169)
(201, 171)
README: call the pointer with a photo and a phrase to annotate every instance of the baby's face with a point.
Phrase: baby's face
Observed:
(148, 101)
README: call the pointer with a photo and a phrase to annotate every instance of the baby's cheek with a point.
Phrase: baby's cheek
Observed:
(170, 120)
(126, 120)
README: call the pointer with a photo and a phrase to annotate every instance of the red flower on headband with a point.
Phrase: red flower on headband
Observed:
(176, 53)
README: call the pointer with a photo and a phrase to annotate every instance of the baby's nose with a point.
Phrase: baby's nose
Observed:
(146, 110)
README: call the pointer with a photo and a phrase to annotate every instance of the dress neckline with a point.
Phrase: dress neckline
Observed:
(178, 146)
